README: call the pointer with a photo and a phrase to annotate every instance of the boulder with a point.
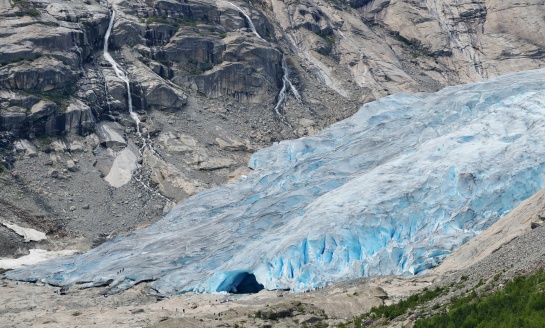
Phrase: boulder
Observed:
(41, 75)
(161, 96)
(42, 110)
(26, 147)
(124, 164)
(71, 166)
(77, 147)
(58, 146)
(110, 136)
(12, 119)
(78, 118)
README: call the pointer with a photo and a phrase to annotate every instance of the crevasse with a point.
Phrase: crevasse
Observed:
(391, 190)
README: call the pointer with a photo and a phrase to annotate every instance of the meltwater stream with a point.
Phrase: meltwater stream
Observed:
(248, 19)
(286, 82)
(119, 73)
(391, 190)
(145, 140)
(286, 87)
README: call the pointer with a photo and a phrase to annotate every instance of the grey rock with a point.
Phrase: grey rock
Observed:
(26, 147)
(71, 166)
(109, 136)
(54, 174)
(76, 147)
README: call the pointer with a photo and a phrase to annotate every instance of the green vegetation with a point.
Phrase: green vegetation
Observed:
(26, 8)
(265, 316)
(389, 312)
(61, 99)
(196, 67)
(395, 310)
(416, 49)
(520, 304)
(328, 38)
(44, 140)
(3, 169)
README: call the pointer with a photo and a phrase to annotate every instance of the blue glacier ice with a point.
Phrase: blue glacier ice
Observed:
(391, 190)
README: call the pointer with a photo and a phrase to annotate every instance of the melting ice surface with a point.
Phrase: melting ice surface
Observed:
(391, 190)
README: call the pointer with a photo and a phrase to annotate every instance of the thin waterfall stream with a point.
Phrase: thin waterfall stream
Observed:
(124, 77)
(248, 19)
(287, 85)
(119, 73)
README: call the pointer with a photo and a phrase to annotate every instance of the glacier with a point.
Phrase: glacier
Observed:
(391, 190)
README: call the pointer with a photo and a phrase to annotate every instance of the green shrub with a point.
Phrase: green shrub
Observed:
(395, 310)
(520, 304)
(27, 8)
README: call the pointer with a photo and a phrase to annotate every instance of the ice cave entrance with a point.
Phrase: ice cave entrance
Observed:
(240, 282)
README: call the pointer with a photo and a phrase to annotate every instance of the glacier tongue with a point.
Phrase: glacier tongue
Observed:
(391, 190)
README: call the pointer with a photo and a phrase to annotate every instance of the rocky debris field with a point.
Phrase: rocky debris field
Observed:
(27, 304)
(24, 304)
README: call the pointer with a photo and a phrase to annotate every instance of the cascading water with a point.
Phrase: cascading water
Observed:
(146, 143)
(248, 19)
(284, 91)
(118, 72)
(286, 83)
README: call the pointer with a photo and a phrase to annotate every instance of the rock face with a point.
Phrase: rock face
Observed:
(362, 50)
(51, 51)
(211, 81)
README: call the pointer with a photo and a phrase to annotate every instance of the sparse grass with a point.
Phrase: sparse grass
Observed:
(330, 40)
(390, 312)
(61, 99)
(3, 170)
(395, 310)
(44, 141)
(196, 67)
(26, 8)
(21, 59)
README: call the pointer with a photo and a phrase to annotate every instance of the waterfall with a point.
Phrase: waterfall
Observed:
(146, 141)
(120, 74)
(286, 87)
(248, 19)
(286, 78)
(286, 83)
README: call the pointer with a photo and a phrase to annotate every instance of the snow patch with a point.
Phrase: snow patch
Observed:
(28, 234)
(35, 256)
(121, 172)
